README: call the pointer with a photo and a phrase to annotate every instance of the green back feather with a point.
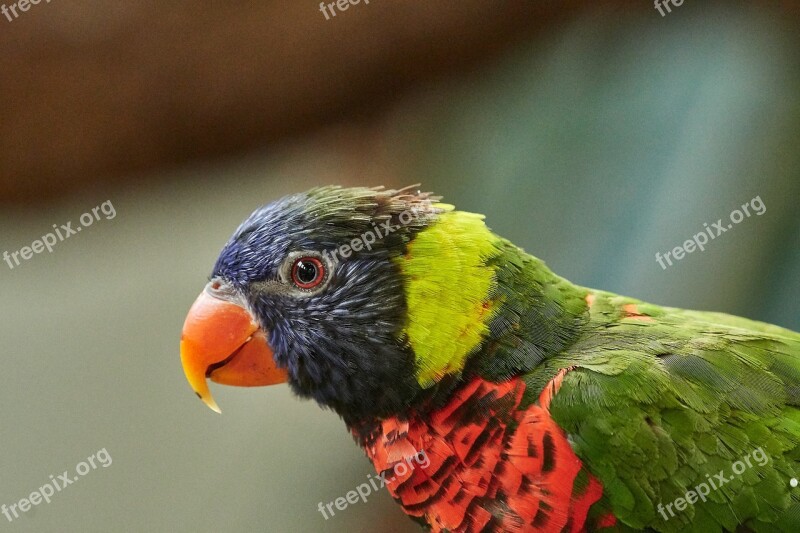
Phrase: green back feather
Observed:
(657, 406)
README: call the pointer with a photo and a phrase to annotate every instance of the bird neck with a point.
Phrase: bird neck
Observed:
(475, 302)
(536, 314)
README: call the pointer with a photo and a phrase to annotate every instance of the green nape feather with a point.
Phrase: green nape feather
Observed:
(657, 400)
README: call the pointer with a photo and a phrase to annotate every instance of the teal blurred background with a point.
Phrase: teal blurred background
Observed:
(606, 139)
(607, 144)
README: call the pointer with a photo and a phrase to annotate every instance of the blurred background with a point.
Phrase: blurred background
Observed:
(593, 136)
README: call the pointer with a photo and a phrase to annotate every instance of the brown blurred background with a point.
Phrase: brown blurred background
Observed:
(100, 91)
(93, 91)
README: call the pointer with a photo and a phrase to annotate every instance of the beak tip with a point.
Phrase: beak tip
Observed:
(209, 401)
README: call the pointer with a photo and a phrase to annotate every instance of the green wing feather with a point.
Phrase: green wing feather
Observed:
(658, 403)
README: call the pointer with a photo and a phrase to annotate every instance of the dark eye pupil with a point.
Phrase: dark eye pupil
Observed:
(306, 271)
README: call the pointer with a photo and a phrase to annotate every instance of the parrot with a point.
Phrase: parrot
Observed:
(539, 404)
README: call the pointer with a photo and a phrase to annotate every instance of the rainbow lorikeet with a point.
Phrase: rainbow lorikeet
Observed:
(539, 404)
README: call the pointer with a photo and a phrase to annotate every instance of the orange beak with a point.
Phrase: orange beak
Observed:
(221, 340)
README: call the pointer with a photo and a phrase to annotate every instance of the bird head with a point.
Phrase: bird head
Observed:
(337, 292)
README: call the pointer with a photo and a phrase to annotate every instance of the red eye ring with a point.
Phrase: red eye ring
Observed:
(307, 272)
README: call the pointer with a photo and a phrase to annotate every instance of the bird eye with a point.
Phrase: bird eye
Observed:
(307, 272)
